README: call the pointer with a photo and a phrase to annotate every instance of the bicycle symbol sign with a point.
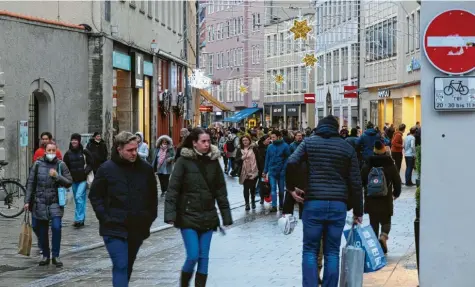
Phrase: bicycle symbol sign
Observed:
(454, 93)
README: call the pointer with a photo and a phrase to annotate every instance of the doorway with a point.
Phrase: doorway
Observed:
(38, 120)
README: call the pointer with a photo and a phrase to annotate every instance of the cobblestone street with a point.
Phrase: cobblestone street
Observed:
(253, 253)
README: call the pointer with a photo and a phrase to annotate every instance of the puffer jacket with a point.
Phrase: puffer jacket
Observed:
(276, 158)
(168, 158)
(79, 162)
(43, 198)
(191, 199)
(124, 197)
(366, 142)
(333, 169)
(382, 205)
(99, 152)
(143, 147)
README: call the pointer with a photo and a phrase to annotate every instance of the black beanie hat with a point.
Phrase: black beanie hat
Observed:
(96, 134)
(76, 136)
(329, 120)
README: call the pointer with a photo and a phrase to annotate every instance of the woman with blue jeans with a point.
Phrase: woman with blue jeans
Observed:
(196, 185)
(43, 202)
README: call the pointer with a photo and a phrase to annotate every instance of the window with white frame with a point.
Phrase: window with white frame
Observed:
(218, 56)
(228, 91)
(236, 27)
(242, 56)
(269, 82)
(413, 32)
(282, 43)
(274, 85)
(258, 54)
(209, 33)
(418, 27)
(296, 78)
(281, 85)
(212, 32)
(268, 46)
(253, 55)
(211, 7)
(241, 95)
(238, 56)
(227, 58)
(222, 60)
(275, 45)
(304, 77)
(258, 21)
(235, 57)
(227, 29)
(210, 64)
(289, 42)
(288, 78)
(381, 40)
(241, 20)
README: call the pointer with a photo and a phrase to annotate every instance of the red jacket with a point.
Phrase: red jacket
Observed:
(397, 142)
(41, 153)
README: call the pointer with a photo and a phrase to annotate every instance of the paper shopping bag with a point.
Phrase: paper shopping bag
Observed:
(26, 235)
(352, 263)
(374, 255)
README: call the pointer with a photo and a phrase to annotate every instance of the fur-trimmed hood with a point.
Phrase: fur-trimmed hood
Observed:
(213, 153)
(164, 137)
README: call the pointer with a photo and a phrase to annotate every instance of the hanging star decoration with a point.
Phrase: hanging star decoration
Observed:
(309, 60)
(279, 79)
(243, 89)
(300, 29)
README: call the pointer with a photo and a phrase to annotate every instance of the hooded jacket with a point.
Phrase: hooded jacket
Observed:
(366, 142)
(98, 151)
(333, 170)
(143, 147)
(276, 158)
(196, 185)
(168, 163)
(79, 161)
(124, 197)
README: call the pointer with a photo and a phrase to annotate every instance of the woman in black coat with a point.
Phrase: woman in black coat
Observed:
(380, 209)
(196, 185)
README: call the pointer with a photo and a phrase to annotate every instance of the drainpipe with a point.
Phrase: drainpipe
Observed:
(360, 120)
(185, 49)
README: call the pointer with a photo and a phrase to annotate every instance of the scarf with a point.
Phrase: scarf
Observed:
(162, 154)
(249, 165)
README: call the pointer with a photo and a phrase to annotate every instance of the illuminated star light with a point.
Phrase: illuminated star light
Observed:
(309, 60)
(300, 29)
(279, 79)
(243, 89)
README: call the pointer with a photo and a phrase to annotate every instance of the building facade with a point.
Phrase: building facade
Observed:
(284, 105)
(337, 52)
(390, 63)
(232, 57)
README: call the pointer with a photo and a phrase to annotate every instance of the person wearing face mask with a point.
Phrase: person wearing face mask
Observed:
(80, 163)
(196, 185)
(125, 201)
(98, 148)
(163, 161)
(42, 200)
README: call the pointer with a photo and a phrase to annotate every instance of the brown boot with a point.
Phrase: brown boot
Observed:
(383, 239)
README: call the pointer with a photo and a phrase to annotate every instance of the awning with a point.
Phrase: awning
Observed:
(241, 115)
(205, 94)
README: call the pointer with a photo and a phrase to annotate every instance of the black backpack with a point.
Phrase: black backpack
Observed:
(230, 145)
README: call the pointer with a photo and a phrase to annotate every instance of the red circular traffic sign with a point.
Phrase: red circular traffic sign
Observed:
(449, 42)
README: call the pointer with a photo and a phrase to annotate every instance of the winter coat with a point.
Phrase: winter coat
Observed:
(99, 152)
(390, 133)
(191, 198)
(276, 158)
(293, 146)
(124, 197)
(168, 158)
(80, 163)
(333, 169)
(262, 151)
(235, 140)
(238, 161)
(43, 197)
(366, 142)
(143, 147)
(221, 143)
(397, 142)
(382, 205)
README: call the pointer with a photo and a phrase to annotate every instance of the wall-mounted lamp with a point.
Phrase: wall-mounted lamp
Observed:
(154, 46)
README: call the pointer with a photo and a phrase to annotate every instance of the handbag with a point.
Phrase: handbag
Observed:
(352, 262)
(62, 196)
(26, 236)
(90, 175)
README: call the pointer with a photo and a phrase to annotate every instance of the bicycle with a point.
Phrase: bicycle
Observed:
(12, 194)
(449, 90)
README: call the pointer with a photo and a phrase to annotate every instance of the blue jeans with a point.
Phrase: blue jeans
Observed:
(230, 164)
(197, 246)
(123, 253)
(43, 230)
(79, 190)
(409, 167)
(274, 181)
(34, 226)
(322, 218)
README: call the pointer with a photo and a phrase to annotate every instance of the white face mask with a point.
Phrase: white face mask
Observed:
(50, 156)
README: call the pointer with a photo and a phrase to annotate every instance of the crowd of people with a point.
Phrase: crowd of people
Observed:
(327, 171)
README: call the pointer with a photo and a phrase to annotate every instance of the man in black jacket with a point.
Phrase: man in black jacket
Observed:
(334, 184)
(124, 196)
(98, 148)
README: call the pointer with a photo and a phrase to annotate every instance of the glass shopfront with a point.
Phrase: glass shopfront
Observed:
(292, 113)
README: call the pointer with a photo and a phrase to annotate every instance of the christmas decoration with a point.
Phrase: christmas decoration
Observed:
(309, 60)
(279, 79)
(243, 89)
(300, 29)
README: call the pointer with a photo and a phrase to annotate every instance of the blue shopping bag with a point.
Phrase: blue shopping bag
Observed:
(62, 197)
(366, 239)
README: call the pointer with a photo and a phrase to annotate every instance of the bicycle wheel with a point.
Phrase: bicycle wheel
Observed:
(12, 194)
(448, 90)
(463, 90)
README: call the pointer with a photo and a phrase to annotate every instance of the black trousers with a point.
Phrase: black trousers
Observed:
(289, 203)
(164, 180)
(250, 189)
(376, 219)
(397, 156)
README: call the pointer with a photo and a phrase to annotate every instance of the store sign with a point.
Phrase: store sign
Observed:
(277, 111)
(120, 61)
(384, 93)
(206, 109)
(454, 93)
(350, 92)
(148, 69)
(309, 98)
(138, 72)
(413, 66)
(199, 80)
(292, 111)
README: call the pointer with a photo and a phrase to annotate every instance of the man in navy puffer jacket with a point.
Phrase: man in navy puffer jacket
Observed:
(334, 186)
(366, 141)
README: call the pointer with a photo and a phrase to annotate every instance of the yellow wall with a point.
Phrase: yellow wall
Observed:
(408, 112)
(389, 113)
(418, 109)
(380, 122)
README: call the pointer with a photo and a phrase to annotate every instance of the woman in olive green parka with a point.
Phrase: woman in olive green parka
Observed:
(196, 185)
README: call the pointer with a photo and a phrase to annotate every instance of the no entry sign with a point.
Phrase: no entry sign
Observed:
(449, 42)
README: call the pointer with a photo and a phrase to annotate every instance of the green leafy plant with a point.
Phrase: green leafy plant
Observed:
(418, 197)
(418, 167)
